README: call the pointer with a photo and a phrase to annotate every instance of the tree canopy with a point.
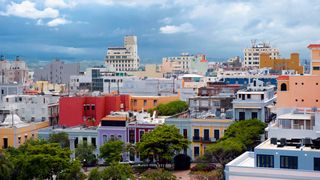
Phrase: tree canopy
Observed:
(41, 160)
(162, 144)
(115, 171)
(61, 138)
(6, 167)
(112, 151)
(170, 108)
(85, 153)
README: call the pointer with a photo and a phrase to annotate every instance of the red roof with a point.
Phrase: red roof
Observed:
(314, 46)
(283, 78)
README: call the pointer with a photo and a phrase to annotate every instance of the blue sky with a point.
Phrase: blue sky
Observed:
(83, 29)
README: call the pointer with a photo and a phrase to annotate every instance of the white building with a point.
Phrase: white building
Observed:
(124, 58)
(254, 102)
(13, 72)
(287, 159)
(252, 54)
(30, 108)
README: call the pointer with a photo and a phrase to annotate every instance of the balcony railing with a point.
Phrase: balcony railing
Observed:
(196, 138)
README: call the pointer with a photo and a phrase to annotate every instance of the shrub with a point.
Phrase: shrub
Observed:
(157, 174)
(203, 167)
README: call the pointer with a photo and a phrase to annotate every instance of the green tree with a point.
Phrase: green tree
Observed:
(162, 144)
(112, 151)
(170, 108)
(73, 172)
(62, 138)
(157, 174)
(95, 174)
(40, 160)
(6, 167)
(117, 171)
(85, 153)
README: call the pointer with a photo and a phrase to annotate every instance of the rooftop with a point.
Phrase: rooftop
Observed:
(290, 145)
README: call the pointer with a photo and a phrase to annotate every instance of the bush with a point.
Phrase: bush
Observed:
(94, 174)
(182, 162)
(203, 167)
(157, 174)
(170, 108)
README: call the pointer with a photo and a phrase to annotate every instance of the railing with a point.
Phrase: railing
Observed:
(196, 138)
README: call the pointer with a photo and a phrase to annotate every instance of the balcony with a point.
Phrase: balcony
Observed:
(196, 139)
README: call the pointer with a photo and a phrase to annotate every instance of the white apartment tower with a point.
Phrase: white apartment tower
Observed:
(252, 54)
(124, 58)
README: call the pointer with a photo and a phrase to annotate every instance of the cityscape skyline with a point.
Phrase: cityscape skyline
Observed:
(45, 30)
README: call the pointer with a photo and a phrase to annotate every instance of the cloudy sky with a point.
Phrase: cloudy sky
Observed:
(82, 29)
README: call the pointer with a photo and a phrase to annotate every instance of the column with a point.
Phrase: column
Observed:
(72, 147)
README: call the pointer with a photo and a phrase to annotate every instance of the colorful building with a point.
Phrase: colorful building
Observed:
(315, 59)
(281, 64)
(14, 132)
(89, 110)
(139, 103)
(200, 132)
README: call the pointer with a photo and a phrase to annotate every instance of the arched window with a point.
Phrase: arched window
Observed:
(283, 87)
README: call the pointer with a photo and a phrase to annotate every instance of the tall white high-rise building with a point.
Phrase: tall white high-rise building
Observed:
(252, 54)
(124, 58)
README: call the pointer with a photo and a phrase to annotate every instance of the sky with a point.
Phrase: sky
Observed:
(76, 30)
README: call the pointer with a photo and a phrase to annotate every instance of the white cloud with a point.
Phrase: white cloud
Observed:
(27, 9)
(57, 22)
(59, 4)
(166, 20)
(172, 29)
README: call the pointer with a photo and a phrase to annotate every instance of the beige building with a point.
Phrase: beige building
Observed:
(252, 54)
(13, 72)
(150, 71)
(124, 58)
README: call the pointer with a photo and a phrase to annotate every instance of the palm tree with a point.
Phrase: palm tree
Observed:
(6, 167)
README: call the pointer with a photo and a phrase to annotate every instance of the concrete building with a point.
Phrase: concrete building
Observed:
(57, 72)
(10, 89)
(13, 72)
(287, 159)
(254, 102)
(200, 132)
(281, 64)
(144, 103)
(76, 135)
(315, 59)
(14, 132)
(89, 110)
(252, 54)
(149, 70)
(185, 64)
(30, 108)
(124, 58)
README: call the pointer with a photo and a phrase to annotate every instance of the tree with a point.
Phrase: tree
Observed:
(84, 153)
(112, 151)
(62, 138)
(170, 108)
(40, 160)
(157, 174)
(73, 172)
(95, 174)
(6, 167)
(162, 144)
(117, 171)
(225, 151)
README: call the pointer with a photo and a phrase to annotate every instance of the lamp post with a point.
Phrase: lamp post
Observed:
(85, 165)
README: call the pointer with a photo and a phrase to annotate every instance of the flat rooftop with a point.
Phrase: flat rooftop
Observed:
(268, 146)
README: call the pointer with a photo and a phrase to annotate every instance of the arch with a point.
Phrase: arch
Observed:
(283, 87)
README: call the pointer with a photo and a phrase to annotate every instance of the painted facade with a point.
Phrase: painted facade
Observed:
(281, 64)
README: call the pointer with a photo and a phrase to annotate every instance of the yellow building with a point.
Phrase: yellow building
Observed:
(150, 71)
(139, 103)
(16, 134)
(281, 64)
(45, 86)
(200, 132)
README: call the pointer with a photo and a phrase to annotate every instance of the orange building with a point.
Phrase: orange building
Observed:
(315, 59)
(281, 64)
(18, 133)
(139, 103)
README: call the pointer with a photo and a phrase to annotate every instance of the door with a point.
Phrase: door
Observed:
(242, 116)
(254, 115)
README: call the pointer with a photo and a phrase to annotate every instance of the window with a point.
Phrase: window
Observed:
(141, 134)
(283, 87)
(185, 133)
(265, 160)
(242, 115)
(196, 151)
(316, 164)
(217, 134)
(135, 102)
(25, 138)
(316, 68)
(5, 143)
(144, 102)
(94, 142)
(196, 133)
(93, 107)
(289, 162)
(254, 115)
(120, 137)
(262, 96)
(249, 96)
(84, 140)
(104, 138)
(155, 102)
(206, 133)
(19, 140)
(131, 136)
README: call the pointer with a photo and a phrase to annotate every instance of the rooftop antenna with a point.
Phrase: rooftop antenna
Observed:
(253, 42)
